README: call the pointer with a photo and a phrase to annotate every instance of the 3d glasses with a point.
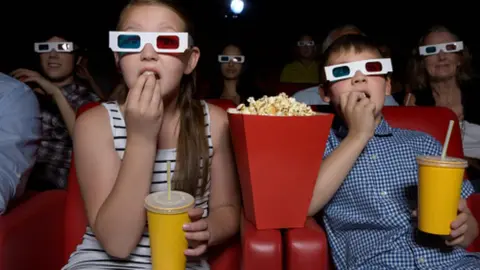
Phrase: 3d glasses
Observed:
(234, 58)
(162, 42)
(306, 43)
(367, 67)
(445, 47)
(44, 47)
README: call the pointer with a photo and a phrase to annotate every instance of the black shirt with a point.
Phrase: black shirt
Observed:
(470, 92)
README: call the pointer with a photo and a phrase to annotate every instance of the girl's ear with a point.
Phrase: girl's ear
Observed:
(193, 57)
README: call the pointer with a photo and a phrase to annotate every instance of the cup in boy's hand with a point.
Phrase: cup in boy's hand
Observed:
(459, 227)
(439, 188)
(358, 112)
(440, 180)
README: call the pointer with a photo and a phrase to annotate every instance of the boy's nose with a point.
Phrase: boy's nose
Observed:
(359, 77)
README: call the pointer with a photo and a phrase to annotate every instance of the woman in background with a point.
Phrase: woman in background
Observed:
(441, 75)
(235, 82)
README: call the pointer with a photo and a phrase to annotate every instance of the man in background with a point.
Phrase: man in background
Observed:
(304, 69)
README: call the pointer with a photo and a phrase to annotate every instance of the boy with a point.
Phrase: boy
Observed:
(368, 168)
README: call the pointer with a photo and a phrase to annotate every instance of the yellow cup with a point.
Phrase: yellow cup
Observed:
(165, 220)
(439, 188)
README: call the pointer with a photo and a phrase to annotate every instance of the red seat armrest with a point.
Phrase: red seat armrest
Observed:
(226, 256)
(32, 233)
(307, 248)
(261, 249)
(474, 205)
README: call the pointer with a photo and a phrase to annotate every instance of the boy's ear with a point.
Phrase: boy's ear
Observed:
(324, 94)
(388, 86)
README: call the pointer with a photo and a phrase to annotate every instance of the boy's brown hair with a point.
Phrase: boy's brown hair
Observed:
(344, 44)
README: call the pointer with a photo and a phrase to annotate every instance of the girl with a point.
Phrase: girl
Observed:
(163, 124)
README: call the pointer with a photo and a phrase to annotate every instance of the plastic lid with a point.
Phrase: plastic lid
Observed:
(437, 161)
(179, 202)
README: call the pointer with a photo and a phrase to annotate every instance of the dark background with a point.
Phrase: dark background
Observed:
(267, 29)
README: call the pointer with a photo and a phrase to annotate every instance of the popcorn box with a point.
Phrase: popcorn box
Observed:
(278, 160)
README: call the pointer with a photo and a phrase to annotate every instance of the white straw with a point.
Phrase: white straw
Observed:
(407, 103)
(447, 139)
(169, 181)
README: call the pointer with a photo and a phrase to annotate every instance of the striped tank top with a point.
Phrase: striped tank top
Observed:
(89, 254)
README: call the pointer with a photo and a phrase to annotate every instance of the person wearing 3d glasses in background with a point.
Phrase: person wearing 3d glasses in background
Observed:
(235, 81)
(304, 69)
(60, 96)
(362, 184)
(315, 95)
(441, 75)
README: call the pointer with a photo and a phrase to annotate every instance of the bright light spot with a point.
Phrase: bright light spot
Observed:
(237, 6)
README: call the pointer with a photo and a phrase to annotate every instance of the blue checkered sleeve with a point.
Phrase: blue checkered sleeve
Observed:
(430, 146)
(330, 144)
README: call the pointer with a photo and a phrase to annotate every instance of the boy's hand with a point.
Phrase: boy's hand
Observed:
(464, 227)
(359, 114)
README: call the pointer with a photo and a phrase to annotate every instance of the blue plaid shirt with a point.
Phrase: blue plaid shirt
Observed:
(369, 220)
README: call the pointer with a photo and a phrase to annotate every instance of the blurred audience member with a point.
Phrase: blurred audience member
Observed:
(98, 72)
(60, 96)
(348, 29)
(19, 135)
(235, 82)
(83, 73)
(315, 95)
(441, 74)
(304, 69)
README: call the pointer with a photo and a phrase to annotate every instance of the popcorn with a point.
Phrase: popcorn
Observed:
(280, 105)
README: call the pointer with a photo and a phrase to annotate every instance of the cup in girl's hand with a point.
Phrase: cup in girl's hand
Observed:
(166, 216)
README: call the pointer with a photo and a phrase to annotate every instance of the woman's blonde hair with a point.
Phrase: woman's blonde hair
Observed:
(417, 74)
(192, 146)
